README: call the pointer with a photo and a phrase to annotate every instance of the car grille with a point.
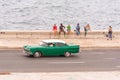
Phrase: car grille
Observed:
(27, 52)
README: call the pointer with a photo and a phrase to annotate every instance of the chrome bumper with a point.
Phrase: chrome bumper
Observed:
(27, 52)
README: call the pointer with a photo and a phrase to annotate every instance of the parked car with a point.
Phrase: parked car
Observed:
(51, 48)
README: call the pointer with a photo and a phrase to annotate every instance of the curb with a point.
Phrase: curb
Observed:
(5, 73)
(10, 48)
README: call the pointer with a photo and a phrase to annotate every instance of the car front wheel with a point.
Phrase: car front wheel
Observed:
(37, 54)
(67, 54)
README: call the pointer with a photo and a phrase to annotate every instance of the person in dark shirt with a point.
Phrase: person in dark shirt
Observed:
(110, 33)
(62, 29)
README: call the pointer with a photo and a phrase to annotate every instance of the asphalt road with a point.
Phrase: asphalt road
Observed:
(87, 60)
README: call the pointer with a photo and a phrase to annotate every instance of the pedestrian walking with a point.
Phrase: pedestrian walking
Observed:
(110, 33)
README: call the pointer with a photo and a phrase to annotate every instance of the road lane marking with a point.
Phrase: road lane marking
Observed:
(117, 66)
(66, 62)
(110, 58)
(97, 53)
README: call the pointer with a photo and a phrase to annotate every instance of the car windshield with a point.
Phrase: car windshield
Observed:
(43, 44)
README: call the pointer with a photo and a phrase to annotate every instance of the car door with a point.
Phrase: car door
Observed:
(50, 50)
(57, 49)
(60, 48)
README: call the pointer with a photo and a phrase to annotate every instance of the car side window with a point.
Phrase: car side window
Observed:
(60, 44)
(43, 44)
(51, 44)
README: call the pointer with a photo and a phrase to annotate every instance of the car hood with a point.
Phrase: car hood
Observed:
(31, 46)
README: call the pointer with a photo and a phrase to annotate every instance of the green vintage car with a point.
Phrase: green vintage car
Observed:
(51, 48)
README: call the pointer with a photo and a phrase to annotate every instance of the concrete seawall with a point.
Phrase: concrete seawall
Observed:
(49, 34)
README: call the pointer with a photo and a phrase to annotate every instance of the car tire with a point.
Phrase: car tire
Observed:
(37, 54)
(67, 54)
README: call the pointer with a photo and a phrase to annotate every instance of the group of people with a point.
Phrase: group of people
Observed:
(63, 29)
(87, 27)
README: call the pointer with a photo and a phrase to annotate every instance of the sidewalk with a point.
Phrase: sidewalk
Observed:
(115, 75)
(18, 43)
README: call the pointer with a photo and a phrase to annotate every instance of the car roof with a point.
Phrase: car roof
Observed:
(53, 41)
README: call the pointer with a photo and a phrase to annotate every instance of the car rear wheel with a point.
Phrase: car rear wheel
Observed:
(67, 54)
(37, 54)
